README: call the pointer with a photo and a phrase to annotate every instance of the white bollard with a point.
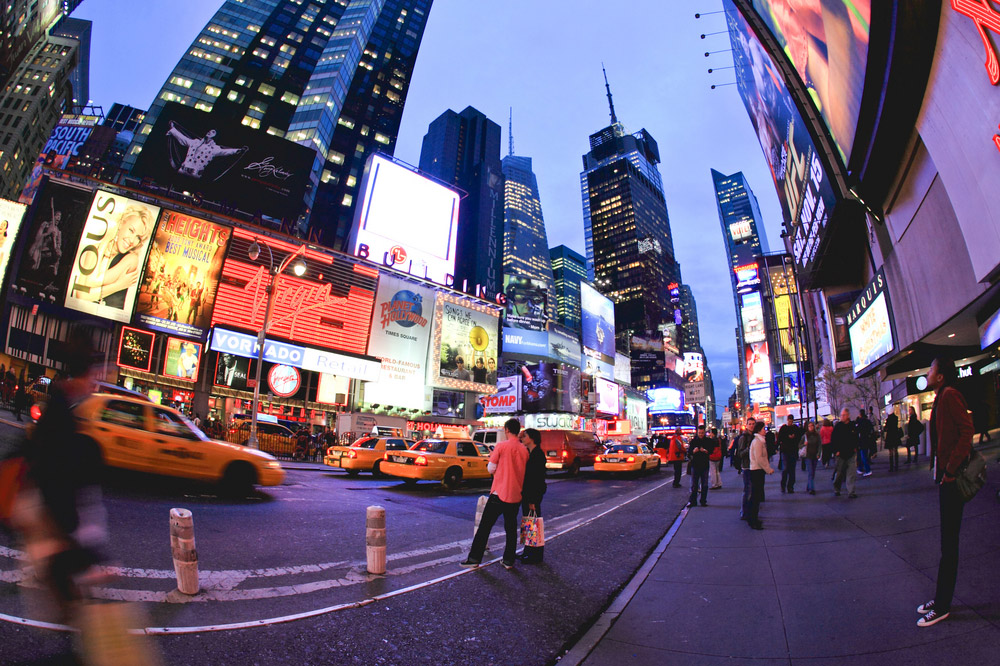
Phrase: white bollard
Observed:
(375, 539)
(480, 507)
(183, 551)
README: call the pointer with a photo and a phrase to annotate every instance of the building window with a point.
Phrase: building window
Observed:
(251, 122)
(290, 98)
(266, 89)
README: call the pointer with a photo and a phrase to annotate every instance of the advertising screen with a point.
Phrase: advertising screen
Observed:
(11, 214)
(747, 276)
(177, 292)
(135, 349)
(839, 307)
(758, 364)
(598, 322)
(181, 359)
(521, 341)
(647, 357)
(193, 151)
(761, 394)
(401, 332)
(740, 229)
(607, 397)
(406, 221)
(525, 302)
(671, 339)
(467, 336)
(65, 142)
(104, 278)
(51, 236)
(332, 389)
(564, 347)
(550, 387)
(635, 412)
(871, 333)
(507, 399)
(989, 330)
(752, 316)
(232, 371)
(827, 43)
(332, 313)
(694, 367)
(803, 186)
(623, 369)
(665, 400)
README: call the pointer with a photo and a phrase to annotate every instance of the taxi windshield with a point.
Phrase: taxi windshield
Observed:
(623, 448)
(366, 443)
(431, 446)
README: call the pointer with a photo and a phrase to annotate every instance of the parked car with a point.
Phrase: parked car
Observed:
(365, 454)
(135, 434)
(635, 458)
(449, 461)
(569, 449)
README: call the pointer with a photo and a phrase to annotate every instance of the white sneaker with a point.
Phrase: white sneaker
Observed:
(932, 618)
(926, 607)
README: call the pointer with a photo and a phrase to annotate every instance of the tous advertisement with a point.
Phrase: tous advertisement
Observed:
(11, 214)
(105, 273)
(466, 348)
(178, 288)
(400, 334)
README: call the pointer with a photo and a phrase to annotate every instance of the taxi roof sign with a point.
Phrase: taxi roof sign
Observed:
(452, 432)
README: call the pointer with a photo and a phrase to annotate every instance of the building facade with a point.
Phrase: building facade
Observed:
(569, 268)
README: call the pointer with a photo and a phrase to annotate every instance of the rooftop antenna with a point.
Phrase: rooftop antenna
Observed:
(510, 133)
(611, 103)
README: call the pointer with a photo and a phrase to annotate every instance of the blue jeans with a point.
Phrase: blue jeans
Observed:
(789, 461)
(863, 463)
(745, 507)
(699, 477)
(811, 471)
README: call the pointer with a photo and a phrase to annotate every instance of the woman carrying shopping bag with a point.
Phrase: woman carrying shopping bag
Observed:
(533, 490)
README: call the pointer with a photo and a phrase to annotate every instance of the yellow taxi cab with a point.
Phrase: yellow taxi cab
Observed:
(365, 454)
(136, 434)
(441, 458)
(636, 458)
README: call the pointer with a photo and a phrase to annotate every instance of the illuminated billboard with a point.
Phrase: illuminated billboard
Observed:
(827, 43)
(11, 214)
(752, 316)
(104, 278)
(135, 349)
(232, 371)
(406, 221)
(758, 364)
(57, 220)
(65, 142)
(623, 369)
(550, 387)
(607, 397)
(333, 311)
(647, 357)
(803, 186)
(694, 367)
(564, 347)
(740, 229)
(525, 342)
(465, 345)
(400, 334)
(747, 276)
(332, 389)
(177, 292)
(525, 302)
(870, 325)
(597, 313)
(506, 400)
(181, 359)
(221, 160)
(665, 400)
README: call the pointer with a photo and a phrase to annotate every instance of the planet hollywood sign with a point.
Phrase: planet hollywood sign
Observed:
(985, 17)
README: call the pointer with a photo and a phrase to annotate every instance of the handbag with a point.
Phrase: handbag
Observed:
(533, 530)
(971, 475)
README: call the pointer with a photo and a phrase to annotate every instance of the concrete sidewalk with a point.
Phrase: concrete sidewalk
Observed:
(830, 580)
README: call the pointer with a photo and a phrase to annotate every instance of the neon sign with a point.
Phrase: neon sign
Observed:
(984, 16)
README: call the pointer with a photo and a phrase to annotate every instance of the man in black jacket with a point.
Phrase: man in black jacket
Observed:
(742, 459)
(789, 436)
(845, 443)
(700, 447)
(533, 488)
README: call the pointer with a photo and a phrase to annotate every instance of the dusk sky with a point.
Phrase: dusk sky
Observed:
(544, 60)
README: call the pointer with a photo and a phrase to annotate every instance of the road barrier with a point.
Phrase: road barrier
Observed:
(183, 551)
(375, 539)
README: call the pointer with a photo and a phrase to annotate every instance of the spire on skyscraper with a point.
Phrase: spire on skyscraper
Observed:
(510, 132)
(611, 103)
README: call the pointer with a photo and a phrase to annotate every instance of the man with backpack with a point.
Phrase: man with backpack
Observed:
(741, 460)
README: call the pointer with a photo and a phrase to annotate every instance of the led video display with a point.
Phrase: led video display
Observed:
(752, 316)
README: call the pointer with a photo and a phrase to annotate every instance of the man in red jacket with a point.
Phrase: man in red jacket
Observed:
(951, 443)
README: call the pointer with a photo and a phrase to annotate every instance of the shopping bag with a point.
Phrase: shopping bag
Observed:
(480, 507)
(532, 531)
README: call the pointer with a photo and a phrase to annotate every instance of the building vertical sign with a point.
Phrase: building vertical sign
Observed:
(985, 17)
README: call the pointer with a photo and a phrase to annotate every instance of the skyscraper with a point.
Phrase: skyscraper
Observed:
(630, 251)
(463, 150)
(525, 244)
(331, 76)
(36, 95)
(23, 23)
(569, 268)
(691, 338)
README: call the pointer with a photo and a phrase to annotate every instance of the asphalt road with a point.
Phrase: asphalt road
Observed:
(300, 549)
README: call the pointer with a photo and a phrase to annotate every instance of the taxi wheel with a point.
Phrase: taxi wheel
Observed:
(353, 472)
(376, 469)
(452, 478)
(239, 479)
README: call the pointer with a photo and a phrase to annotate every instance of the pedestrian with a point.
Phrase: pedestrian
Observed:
(951, 443)
(742, 457)
(866, 432)
(914, 428)
(20, 400)
(811, 441)
(772, 443)
(675, 455)
(197, 420)
(759, 466)
(507, 465)
(825, 434)
(534, 487)
(981, 419)
(789, 436)
(701, 448)
(845, 445)
(893, 438)
(715, 459)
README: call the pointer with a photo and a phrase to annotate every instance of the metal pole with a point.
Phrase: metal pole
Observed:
(252, 441)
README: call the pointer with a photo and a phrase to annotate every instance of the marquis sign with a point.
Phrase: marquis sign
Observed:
(869, 324)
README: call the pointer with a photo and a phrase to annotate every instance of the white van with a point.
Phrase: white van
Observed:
(488, 438)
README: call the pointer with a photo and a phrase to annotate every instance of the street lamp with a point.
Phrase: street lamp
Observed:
(299, 269)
